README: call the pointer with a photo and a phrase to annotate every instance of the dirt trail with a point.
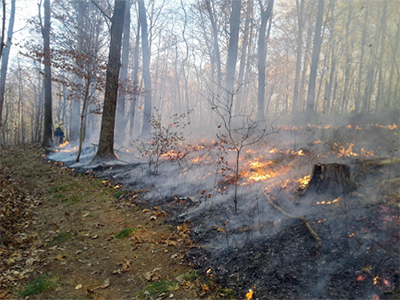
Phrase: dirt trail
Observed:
(69, 238)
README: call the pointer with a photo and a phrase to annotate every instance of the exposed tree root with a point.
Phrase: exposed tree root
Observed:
(301, 218)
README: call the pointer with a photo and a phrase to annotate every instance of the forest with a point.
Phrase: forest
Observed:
(274, 59)
(252, 145)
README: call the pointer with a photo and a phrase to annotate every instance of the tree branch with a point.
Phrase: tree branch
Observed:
(102, 11)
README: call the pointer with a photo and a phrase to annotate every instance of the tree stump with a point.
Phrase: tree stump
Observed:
(336, 179)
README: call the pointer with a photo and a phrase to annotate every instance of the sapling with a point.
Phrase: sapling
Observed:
(165, 141)
(236, 131)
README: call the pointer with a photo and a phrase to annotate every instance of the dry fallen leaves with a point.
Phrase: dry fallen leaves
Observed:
(105, 284)
(152, 275)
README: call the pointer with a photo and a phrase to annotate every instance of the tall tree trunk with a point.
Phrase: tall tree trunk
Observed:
(234, 23)
(348, 58)
(300, 10)
(389, 102)
(146, 129)
(106, 142)
(120, 125)
(79, 82)
(265, 15)
(4, 58)
(381, 88)
(48, 119)
(329, 82)
(215, 41)
(363, 38)
(136, 90)
(315, 59)
(239, 98)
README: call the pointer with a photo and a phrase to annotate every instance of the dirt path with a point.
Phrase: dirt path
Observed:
(64, 236)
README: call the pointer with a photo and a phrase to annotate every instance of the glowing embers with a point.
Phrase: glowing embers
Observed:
(329, 202)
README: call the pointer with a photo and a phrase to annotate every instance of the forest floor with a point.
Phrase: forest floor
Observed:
(64, 236)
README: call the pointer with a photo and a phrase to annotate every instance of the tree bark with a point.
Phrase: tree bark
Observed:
(106, 142)
(265, 15)
(146, 129)
(136, 91)
(315, 58)
(234, 23)
(48, 119)
(363, 38)
(4, 58)
(215, 41)
(380, 95)
(348, 58)
(249, 13)
(76, 100)
(120, 126)
(300, 10)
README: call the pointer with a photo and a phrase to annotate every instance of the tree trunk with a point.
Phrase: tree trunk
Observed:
(136, 90)
(300, 10)
(215, 41)
(106, 142)
(389, 102)
(239, 98)
(4, 58)
(48, 119)
(380, 95)
(76, 100)
(234, 24)
(315, 58)
(265, 15)
(146, 129)
(348, 58)
(363, 38)
(329, 82)
(120, 126)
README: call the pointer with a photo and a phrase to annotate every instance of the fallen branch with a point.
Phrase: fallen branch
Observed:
(301, 218)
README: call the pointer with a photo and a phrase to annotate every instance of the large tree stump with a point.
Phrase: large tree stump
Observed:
(336, 179)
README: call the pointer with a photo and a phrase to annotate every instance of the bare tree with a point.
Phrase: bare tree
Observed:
(5, 56)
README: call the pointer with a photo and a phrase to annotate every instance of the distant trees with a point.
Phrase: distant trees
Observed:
(324, 56)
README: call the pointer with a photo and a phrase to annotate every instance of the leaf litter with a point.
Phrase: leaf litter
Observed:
(47, 217)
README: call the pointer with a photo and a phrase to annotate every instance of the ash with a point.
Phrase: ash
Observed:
(259, 247)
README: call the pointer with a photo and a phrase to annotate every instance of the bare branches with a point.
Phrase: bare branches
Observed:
(102, 11)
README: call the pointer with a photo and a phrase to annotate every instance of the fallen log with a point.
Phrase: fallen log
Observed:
(378, 161)
(301, 218)
(334, 178)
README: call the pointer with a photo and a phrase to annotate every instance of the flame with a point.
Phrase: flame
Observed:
(63, 144)
(329, 202)
(249, 295)
(376, 280)
(304, 181)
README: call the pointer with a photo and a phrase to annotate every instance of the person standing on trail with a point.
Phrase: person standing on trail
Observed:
(59, 132)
